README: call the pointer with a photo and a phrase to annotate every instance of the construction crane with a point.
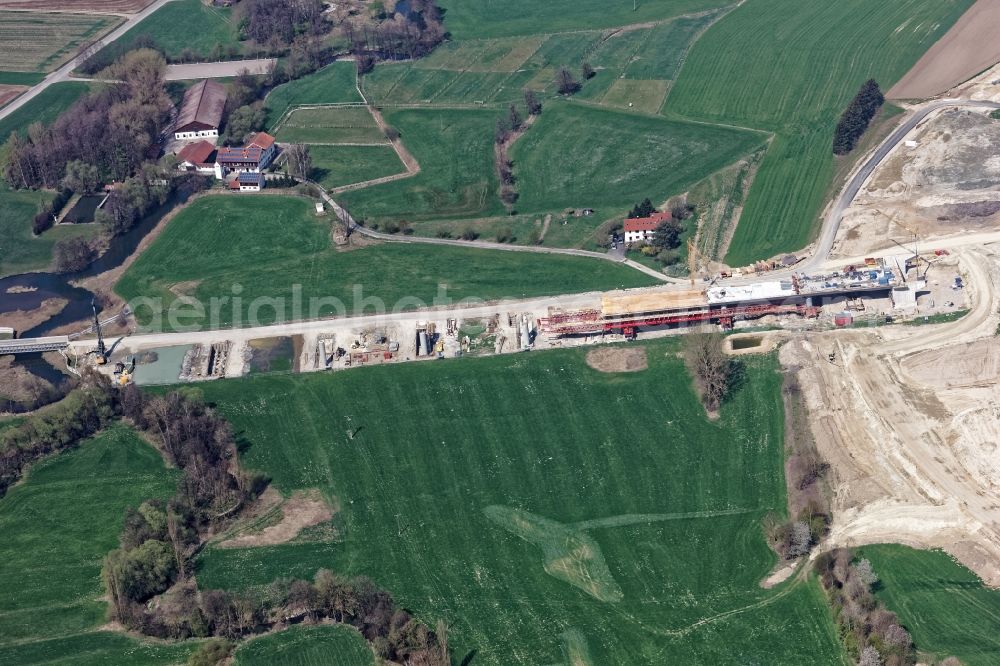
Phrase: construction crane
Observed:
(102, 350)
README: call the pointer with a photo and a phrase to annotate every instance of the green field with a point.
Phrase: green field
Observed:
(456, 179)
(187, 24)
(791, 68)
(334, 84)
(943, 605)
(539, 506)
(21, 78)
(267, 250)
(44, 108)
(353, 124)
(473, 19)
(57, 526)
(41, 42)
(645, 60)
(307, 646)
(334, 166)
(578, 156)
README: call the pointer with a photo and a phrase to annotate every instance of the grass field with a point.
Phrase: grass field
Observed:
(333, 84)
(226, 240)
(44, 108)
(41, 42)
(810, 58)
(334, 166)
(467, 483)
(57, 527)
(307, 646)
(473, 19)
(944, 605)
(21, 78)
(455, 152)
(186, 24)
(330, 125)
(640, 63)
(579, 156)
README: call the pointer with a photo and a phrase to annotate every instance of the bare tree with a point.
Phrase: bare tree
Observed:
(870, 657)
(299, 160)
(565, 83)
(514, 118)
(532, 103)
(709, 366)
(866, 572)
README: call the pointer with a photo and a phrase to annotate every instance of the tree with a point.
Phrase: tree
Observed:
(709, 366)
(514, 118)
(242, 121)
(81, 177)
(299, 160)
(866, 572)
(644, 209)
(587, 71)
(565, 83)
(667, 234)
(856, 118)
(800, 539)
(870, 657)
(532, 103)
(73, 254)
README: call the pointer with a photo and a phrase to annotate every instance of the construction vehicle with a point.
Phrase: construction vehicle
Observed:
(124, 372)
(102, 350)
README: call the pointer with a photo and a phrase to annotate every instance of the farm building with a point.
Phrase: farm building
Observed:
(252, 158)
(248, 182)
(641, 228)
(201, 111)
(198, 156)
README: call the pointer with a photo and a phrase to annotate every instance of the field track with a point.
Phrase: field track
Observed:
(970, 47)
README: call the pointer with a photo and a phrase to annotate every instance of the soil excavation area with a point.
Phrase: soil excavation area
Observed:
(909, 419)
(943, 181)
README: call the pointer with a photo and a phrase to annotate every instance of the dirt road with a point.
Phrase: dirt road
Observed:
(909, 430)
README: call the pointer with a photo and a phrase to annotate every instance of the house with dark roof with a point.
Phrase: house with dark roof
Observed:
(201, 111)
(248, 182)
(198, 156)
(251, 158)
(639, 229)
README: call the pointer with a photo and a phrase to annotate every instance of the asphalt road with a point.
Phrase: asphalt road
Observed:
(63, 73)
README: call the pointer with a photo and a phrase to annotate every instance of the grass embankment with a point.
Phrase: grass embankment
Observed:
(221, 241)
(540, 506)
(19, 250)
(307, 646)
(57, 526)
(791, 68)
(944, 606)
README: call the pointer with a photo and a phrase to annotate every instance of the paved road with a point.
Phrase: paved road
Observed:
(831, 224)
(62, 74)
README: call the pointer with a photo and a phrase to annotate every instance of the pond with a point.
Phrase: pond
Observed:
(83, 210)
(160, 366)
(745, 343)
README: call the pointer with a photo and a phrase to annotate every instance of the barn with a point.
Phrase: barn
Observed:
(201, 111)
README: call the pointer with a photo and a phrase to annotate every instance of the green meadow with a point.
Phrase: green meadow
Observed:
(333, 84)
(547, 511)
(945, 607)
(268, 250)
(57, 526)
(307, 646)
(334, 166)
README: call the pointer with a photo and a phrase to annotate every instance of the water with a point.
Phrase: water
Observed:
(165, 369)
(36, 287)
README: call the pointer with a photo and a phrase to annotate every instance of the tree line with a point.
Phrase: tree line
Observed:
(505, 131)
(856, 118)
(111, 130)
(870, 632)
(395, 35)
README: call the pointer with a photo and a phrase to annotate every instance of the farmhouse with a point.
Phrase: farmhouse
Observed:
(641, 228)
(201, 111)
(248, 182)
(251, 158)
(198, 156)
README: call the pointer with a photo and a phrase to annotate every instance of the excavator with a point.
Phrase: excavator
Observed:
(102, 350)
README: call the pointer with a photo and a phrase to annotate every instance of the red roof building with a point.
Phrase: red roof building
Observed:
(197, 155)
(262, 140)
(641, 228)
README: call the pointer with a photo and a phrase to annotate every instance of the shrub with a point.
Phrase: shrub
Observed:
(855, 119)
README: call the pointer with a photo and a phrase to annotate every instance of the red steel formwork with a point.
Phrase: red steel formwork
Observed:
(590, 321)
